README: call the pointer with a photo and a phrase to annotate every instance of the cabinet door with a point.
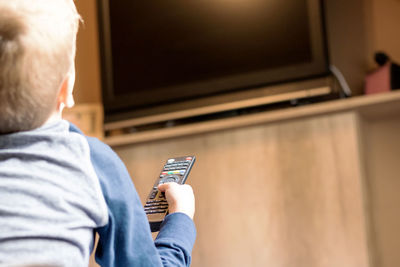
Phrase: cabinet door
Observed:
(283, 194)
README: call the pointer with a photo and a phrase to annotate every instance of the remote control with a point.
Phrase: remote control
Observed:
(156, 207)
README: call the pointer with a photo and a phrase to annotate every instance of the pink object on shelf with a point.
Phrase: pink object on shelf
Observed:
(378, 81)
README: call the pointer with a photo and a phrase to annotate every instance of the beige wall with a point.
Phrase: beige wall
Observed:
(384, 28)
(87, 87)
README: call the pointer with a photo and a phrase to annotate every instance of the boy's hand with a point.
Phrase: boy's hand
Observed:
(180, 198)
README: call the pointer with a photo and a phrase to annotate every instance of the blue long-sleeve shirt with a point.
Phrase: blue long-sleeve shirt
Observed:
(126, 239)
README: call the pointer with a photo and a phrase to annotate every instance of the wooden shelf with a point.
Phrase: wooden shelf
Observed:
(367, 105)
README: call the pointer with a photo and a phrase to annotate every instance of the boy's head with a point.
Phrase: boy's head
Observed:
(37, 51)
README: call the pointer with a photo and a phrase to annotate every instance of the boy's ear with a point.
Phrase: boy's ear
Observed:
(65, 96)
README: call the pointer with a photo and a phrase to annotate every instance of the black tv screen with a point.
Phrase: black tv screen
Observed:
(166, 51)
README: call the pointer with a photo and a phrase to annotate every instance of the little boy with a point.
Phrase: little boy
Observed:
(58, 187)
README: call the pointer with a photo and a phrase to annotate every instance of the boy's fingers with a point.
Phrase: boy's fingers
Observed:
(164, 187)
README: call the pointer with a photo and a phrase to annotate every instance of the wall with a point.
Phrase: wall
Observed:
(87, 86)
(383, 24)
(346, 34)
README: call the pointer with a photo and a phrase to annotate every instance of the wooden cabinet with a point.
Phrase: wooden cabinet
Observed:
(309, 186)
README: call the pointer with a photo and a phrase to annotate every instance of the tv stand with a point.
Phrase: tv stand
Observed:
(262, 98)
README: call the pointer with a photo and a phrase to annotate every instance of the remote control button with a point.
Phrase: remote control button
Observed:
(151, 208)
(161, 204)
(155, 211)
(170, 178)
(160, 211)
(153, 194)
(156, 205)
(156, 208)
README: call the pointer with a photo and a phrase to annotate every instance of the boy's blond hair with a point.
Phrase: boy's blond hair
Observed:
(37, 51)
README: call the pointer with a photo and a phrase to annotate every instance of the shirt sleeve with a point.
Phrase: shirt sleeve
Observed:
(126, 240)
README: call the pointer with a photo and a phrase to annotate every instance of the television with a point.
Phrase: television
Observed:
(158, 55)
